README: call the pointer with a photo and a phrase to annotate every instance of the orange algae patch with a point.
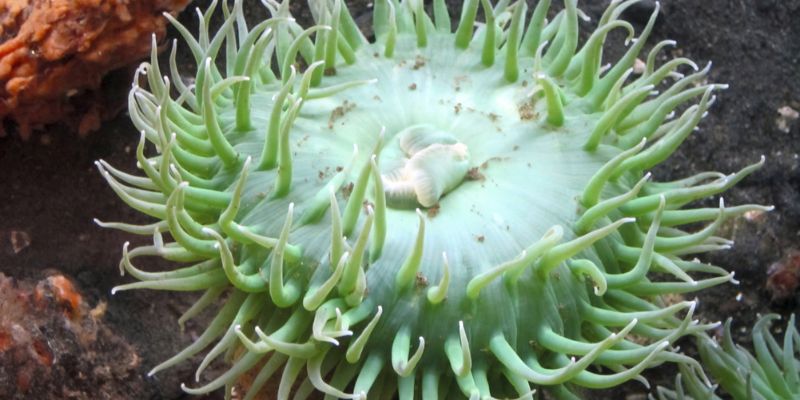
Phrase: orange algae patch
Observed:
(54, 55)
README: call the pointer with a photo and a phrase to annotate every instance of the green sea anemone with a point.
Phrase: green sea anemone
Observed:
(429, 214)
(689, 385)
(772, 373)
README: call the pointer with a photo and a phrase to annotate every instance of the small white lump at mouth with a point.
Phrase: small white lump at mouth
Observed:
(435, 163)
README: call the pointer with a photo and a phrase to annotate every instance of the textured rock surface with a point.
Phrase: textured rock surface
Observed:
(53, 345)
(55, 54)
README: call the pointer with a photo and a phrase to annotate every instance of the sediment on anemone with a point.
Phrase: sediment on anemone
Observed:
(429, 214)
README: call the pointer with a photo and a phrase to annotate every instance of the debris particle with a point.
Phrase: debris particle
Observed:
(480, 238)
(19, 241)
(526, 112)
(434, 211)
(786, 115)
(457, 108)
(64, 294)
(347, 190)
(412, 86)
(639, 67)
(422, 281)
(474, 174)
(367, 206)
(784, 277)
(99, 310)
(755, 216)
(419, 62)
(457, 81)
(340, 112)
(672, 299)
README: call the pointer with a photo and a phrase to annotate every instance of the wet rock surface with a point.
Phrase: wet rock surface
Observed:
(53, 345)
(55, 54)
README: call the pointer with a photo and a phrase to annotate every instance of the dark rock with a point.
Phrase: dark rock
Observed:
(640, 12)
(52, 345)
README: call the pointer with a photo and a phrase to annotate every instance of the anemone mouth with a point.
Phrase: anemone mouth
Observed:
(429, 163)
(301, 193)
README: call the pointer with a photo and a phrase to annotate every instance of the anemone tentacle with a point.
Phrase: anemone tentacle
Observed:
(434, 212)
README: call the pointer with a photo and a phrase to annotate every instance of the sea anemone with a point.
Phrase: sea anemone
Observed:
(430, 213)
(689, 385)
(771, 374)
